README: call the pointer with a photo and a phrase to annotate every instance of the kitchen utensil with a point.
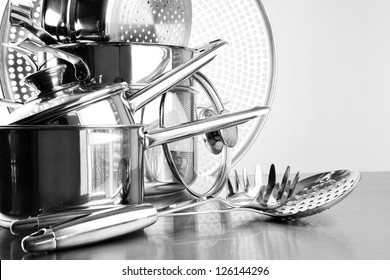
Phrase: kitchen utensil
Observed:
(96, 227)
(46, 220)
(48, 166)
(266, 197)
(311, 196)
(246, 74)
(155, 21)
(67, 104)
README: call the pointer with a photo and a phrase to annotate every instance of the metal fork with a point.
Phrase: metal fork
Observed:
(258, 197)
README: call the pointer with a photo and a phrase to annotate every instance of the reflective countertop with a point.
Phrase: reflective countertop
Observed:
(356, 228)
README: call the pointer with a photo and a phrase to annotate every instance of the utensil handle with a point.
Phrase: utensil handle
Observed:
(94, 228)
(191, 129)
(173, 77)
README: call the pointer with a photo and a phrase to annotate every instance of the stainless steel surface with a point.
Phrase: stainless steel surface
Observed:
(246, 74)
(144, 20)
(134, 63)
(47, 166)
(21, 16)
(97, 227)
(156, 21)
(31, 48)
(350, 231)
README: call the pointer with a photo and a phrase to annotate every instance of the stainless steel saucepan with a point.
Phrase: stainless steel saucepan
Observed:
(49, 166)
(67, 104)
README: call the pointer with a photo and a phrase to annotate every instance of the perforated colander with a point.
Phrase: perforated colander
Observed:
(244, 74)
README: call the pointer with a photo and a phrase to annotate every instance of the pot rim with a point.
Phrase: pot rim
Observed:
(70, 127)
(123, 44)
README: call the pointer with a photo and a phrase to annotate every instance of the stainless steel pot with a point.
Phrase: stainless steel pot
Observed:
(49, 166)
(134, 63)
(156, 21)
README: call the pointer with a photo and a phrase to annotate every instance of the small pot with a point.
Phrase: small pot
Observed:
(50, 166)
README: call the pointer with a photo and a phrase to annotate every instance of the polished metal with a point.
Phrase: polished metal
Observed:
(64, 106)
(310, 196)
(134, 63)
(21, 16)
(51, 218)
(153, 21)
(30, 48)
(49, 166)
(344, 232)
(96, 227)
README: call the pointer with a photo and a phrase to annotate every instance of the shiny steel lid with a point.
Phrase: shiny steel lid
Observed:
(55, 99)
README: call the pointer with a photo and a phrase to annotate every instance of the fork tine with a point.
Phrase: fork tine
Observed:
(271, 184)
(247, 186)
(231, 188)
(293, 185)
(237, 179)
(284, 182)
(272, 176)
(258, 176)
(286, 193)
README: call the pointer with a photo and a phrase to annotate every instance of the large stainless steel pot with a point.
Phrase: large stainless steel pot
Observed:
(49, 166)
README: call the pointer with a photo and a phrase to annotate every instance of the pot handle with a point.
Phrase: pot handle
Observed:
(28, 47)
(210, 125)
(173, 77)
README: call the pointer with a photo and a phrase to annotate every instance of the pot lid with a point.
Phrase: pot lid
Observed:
(55, 99)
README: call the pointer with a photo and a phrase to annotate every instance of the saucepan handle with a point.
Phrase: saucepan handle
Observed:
(29, 47)
(175, 76)
(191, 129)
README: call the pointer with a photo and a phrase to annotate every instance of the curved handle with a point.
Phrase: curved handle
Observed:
(29, 47)
(171, 78)
(176, 133)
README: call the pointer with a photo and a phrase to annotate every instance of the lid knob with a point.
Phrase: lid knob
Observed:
(47, 79)
(216, 140)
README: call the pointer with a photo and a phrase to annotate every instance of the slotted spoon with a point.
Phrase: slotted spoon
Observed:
(310, 196)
